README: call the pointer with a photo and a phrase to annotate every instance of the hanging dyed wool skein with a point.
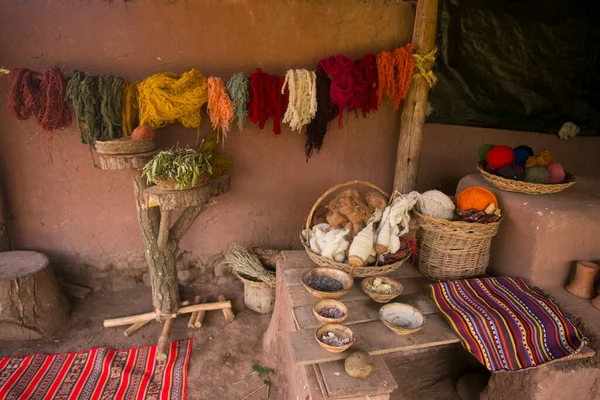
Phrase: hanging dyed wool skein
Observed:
(24, 93)
(326, 111)
(238, 89)
(365, 94)
(220, 107)
(266, 100)
(111, 105)
(130, 114)
(340, 69)
(395, 71)
(302, 105)
(53, 113)
(166, 98)
(84, 97)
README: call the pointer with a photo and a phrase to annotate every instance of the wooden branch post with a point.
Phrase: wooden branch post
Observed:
(155, 207)
(415, 104)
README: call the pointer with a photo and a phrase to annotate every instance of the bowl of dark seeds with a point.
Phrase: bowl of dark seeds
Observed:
(330, 311)
(327, 283)
(334, 338)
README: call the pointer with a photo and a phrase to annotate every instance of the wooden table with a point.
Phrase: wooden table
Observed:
(371, 335)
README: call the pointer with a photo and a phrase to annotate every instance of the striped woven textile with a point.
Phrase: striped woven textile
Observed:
(99, 373)
(505, 323)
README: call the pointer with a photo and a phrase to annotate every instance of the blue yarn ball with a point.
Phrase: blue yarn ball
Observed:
(528, 149)
(521, 156)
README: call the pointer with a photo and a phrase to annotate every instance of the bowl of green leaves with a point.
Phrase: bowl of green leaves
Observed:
(179, 169)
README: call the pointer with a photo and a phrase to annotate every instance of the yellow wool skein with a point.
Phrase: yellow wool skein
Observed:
(166, 98)
(531, 161)
(545, 157)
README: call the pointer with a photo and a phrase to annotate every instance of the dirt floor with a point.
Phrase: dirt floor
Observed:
(222, 354)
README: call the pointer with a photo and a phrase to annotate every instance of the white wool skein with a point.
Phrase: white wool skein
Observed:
(302, 104)
(436, 204)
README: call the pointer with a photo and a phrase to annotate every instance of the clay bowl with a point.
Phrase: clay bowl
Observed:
(381, 297)
(401, 319)
(329, 303)
(340, 331)
(336, 274)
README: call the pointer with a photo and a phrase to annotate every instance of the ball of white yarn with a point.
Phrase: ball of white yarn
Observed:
(436, 204)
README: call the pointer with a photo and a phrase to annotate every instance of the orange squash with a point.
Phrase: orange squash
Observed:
(142, 132)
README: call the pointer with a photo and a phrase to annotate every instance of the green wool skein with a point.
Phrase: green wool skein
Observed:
(536, 174)
(239, 93)
(483, 151)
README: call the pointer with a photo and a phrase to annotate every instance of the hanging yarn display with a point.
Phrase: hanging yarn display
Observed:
(436, 204)
(266, 100)
(326, 112)
(167, 98)
(302, 104)
(24, 93)
(340, 70)
(477, 198)
(395, 71)
(365, 85)
(83, 95)
(220, 107)
(239, 93)
(130, 114)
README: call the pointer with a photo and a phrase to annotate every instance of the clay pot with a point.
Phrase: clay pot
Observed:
(582, 284)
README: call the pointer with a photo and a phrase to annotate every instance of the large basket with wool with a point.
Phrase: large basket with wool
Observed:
(510, 185)
(450, 250)
(355, 271)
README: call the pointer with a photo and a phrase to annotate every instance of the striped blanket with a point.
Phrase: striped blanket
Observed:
(99, 373)
(505, 323)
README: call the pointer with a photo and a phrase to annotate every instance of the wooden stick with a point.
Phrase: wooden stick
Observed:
(164, 341)
(194, 314)
(415, 104)
(227, 312)
(132, 319)
(185, 303)
(165, 225)
(135, 327)
(199, 319)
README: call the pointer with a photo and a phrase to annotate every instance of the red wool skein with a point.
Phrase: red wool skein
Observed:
(340, 69)
(500, 156)
(266, 100)
(365, 92)
(24, 93)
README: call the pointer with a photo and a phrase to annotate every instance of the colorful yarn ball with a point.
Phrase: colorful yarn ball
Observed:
(536, 174)
(512, 171)
(556, 173)
(499, 156)
(436, 204)
(531, 161)
(521, 156)
(483, 151)
(528, 149)
(545, 157)
(476, 197)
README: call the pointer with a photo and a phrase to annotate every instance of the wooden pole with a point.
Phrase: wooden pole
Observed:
(415, 104)
(194, 314)
(135, 327)
(164, 341)
(227, 312)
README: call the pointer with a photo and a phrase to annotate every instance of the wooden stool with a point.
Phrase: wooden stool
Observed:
(32, 304)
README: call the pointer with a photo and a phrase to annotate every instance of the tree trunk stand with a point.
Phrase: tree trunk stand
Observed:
(154, 208)
(32, 303)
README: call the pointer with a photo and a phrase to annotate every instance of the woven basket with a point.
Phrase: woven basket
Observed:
(510, 185)
(171, 184)
(125, 146)
(355, 272)
(453, 249)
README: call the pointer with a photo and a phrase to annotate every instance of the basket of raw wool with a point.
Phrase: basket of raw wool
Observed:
(456, 244)
(363, 234)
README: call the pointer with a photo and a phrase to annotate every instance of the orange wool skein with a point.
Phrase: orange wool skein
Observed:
(395, 71)
(475, 197)
(220, 107)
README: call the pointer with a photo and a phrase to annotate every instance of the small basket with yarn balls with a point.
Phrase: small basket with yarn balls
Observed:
(436, 204)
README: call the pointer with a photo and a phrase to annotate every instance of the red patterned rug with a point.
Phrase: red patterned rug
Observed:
(97, 374)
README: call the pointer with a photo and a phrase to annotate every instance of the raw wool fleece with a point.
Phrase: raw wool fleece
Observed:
(394, 218)
(302, 104)
(329, 242)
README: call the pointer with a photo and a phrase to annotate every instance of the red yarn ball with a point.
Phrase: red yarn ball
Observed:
(500, 156)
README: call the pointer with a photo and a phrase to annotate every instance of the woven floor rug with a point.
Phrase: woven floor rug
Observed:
(505, 323)
(99, 373)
